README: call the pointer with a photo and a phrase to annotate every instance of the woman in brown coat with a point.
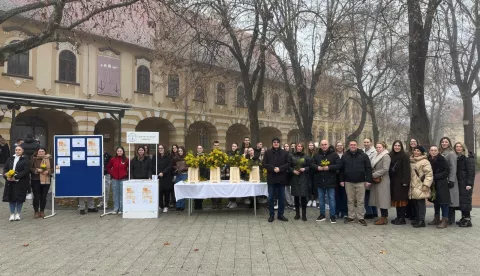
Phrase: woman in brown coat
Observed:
(41, 171)
(399, 181)
(421, 180)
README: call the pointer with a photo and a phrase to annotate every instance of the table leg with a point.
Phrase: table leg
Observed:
(255, 205)
(189, 207)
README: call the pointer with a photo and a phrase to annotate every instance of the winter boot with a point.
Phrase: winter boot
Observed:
(297, 214)
(381, 221)
(304, 213)
(451, 216)
(443, 223)
(436, 220)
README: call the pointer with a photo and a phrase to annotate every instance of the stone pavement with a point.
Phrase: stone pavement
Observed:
(229, 242)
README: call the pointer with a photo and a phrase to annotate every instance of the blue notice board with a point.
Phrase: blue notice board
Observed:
(78, 165)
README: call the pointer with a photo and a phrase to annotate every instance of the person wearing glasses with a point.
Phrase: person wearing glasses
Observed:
(162, 161)
(276, 162)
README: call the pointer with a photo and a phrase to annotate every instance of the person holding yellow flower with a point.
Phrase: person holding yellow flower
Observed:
(17, 175)
(41, 171)
(300, 180)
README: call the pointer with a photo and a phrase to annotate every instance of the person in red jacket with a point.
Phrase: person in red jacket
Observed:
(118, 169)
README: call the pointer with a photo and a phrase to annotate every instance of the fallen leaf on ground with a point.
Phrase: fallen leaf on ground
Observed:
(25, 244)
(383, 252)
(196, 249)
(167, 243)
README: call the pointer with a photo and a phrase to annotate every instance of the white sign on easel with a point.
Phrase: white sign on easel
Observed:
(140, 198)
(142, 137)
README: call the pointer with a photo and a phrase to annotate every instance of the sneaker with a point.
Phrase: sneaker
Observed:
(333, 219)
(466, 223)
(233, 205)
(17, 217)
(12, 217)
(247, 201)
(348, 220)
(458, 222)
(229, 203)
(82, 212)
(362, 222)
(275, 207)
(100, 205)
(263, 200)
(119, 212)
(165, 209)
(29, 196)
(309, 204)
(321, 218)
(314, 203)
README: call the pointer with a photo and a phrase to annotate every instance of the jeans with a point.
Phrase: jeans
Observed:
(15, 205)
(443, 207)
(421, 209)
(40, 192)
(273, 190)
(81, 203)
(181, 177)
(369, 210)
(117, 195)
(108, 183)
(322, 192)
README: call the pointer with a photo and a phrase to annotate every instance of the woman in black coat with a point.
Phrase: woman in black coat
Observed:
(466, 179)
(441, 171)
(162, 162)
(399, 181)
(300, 180)
(15, 190)
(141, 166)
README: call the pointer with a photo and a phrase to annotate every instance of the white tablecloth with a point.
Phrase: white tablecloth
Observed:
(225, 189)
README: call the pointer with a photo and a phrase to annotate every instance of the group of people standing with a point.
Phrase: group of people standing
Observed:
(374, 179)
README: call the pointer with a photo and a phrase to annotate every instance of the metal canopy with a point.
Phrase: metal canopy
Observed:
(14, 100)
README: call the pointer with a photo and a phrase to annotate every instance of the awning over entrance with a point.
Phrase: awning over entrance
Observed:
(14, 100)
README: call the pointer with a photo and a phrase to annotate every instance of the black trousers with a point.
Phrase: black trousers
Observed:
(164, 197)
(401, 212)
(40, 192)
(420, 208)
(300, 200)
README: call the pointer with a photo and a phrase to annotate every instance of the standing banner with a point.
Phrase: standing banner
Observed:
(78, 161)
(140, 198)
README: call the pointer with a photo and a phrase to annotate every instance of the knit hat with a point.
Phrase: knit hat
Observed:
(275, 140)
(420, 148)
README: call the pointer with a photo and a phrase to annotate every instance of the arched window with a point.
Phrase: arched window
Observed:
(221, 94)
(241, 101)
(18, 64)
(199, 94)
(67, 66)
(173, 85)
(261, 103)
(143, 79)
(275, 104)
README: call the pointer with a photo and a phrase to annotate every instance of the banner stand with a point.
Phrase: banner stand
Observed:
(53, 199)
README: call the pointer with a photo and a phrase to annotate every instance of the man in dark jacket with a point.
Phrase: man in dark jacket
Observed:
(356, 176)
(325, 165)
(276, 163)
(30, 146)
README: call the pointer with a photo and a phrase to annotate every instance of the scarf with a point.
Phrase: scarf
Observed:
(45, 160)
(377, 157)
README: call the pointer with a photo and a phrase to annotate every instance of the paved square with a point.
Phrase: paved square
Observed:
(229, 242)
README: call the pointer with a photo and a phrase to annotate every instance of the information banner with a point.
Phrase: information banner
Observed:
(140, 198)
(143, 138)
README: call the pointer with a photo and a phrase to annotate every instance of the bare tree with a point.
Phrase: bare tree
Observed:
(462, 32)
(239, 32)
(55, 19)
(302, 66)
(420, 27)
(368, 54)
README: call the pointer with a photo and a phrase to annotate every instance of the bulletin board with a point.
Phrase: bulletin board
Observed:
(78, 165)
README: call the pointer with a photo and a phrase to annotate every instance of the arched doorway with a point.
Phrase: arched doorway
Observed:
(235, 134)
(44, 124)
(268, 133)
(164, 127)
(200, 133)
(109, 129)
(295, 136)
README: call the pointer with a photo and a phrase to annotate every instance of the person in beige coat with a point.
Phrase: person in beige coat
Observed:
(421, 181)
(380, 189)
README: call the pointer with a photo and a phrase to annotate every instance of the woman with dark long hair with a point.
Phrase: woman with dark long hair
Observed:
(400, 171)
(162, 162)
(441, 171)
(141, 166)
(118, 169)
(466, 179)
(41, 171)
(181, 170)
(16, 185)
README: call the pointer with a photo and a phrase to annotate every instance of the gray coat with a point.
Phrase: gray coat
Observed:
(380, 192)
(452, 161)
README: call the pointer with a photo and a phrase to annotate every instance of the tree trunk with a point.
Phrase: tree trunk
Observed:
(468, 128)
(254, 123)
(307, 129)
(361, 126)
(373, 118)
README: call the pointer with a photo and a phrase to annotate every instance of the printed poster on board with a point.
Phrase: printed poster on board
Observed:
(93, 147)
(63, 147)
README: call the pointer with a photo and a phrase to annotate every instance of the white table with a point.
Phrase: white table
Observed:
(224, 189)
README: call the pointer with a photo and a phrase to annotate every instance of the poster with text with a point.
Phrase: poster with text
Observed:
(78, 142)
(63, 147)
(93, 147)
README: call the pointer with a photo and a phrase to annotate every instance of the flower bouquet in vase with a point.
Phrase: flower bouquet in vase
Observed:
(214, 161)
(193, 162)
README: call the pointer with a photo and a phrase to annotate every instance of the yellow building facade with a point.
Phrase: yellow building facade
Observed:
(157, 93)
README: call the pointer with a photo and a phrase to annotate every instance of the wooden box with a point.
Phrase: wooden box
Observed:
(215, 175)
(193, 175)
(234, 175)
(255, 174)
